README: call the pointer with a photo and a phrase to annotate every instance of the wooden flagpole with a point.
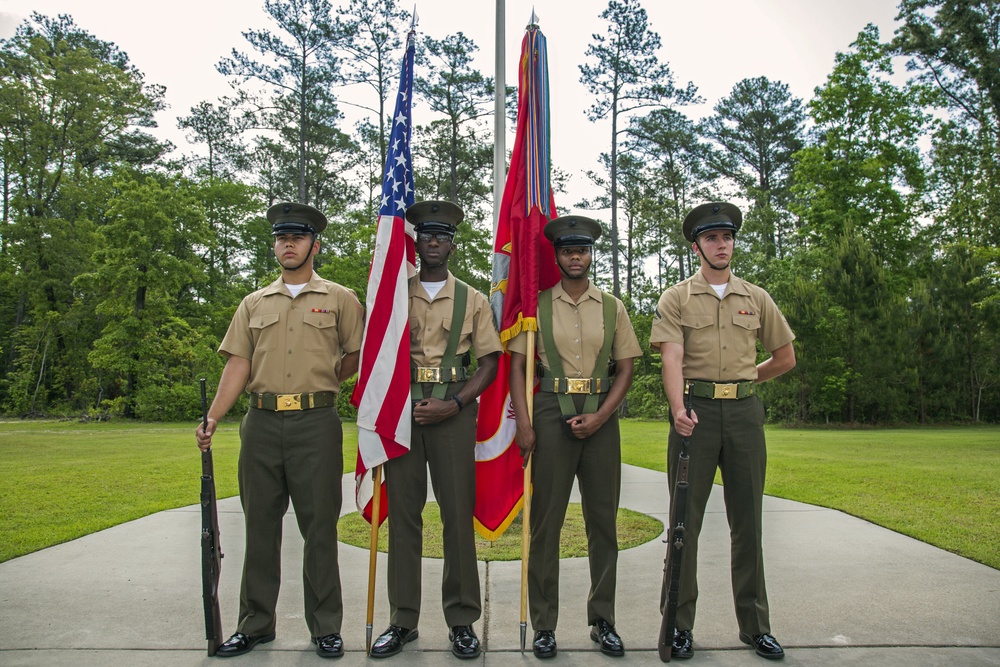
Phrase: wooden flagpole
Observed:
(372, 553)
(529, 394)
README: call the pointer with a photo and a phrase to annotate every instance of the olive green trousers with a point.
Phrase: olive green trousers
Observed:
(296, 455)
(729, 437)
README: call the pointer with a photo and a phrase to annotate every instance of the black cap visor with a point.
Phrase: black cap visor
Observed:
(573, 241)
(289, 227)
(709, 226)
(431, 227)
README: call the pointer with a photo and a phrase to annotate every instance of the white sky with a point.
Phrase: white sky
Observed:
(713, 43)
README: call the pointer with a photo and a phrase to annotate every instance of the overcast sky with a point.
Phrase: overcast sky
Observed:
(713, 44)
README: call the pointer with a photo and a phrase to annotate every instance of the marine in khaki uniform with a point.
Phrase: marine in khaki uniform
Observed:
(442, 334)
(586, 349)
(290, 345)
(706, 329)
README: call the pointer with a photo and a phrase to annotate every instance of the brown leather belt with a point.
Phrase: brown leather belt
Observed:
(282, 402)
(721, 390)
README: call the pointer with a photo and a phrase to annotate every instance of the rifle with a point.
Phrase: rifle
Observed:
(675, 545)
(211, 549)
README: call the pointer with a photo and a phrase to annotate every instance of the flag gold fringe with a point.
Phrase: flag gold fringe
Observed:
(493, 535)
(523, 324)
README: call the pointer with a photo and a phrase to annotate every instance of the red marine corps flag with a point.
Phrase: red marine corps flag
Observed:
(523, 264)
(382, 392)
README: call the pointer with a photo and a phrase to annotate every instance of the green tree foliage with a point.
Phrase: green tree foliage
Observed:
(297, 67)
(144, 283)
(453, 154)
(756, 130)
(455, 150)
(367, 33)
(668, 142)
(955, 45)
(876, 232)
(625, 75)
(71, 108)
(865, 168)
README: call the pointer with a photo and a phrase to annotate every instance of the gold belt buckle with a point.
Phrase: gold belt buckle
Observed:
(577, 385)
(288, 402)
(725, 390)
(426, 374)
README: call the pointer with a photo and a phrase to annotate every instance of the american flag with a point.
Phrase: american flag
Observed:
(382, 392)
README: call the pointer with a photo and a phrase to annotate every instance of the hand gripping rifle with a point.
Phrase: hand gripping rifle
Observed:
(675, 546)
(211, 550)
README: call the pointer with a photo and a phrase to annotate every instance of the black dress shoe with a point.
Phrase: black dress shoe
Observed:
(330, 646)
(605, 634)
(390, 642)
(683, 647)
(544, 645)
(765, 645)
(240, 643)
(464, 642)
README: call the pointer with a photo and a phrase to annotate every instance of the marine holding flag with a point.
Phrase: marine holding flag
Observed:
(448, 319)
(586, 350)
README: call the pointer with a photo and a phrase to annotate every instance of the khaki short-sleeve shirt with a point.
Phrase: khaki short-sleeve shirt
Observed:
(719, 336)
(431, 323)
(578, 333)
(295, 345)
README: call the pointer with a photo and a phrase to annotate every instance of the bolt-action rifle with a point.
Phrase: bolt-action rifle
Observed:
(211, 549)
(675, 546)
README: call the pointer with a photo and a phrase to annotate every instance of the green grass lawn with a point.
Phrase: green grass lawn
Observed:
(62, 480)
(634, 529)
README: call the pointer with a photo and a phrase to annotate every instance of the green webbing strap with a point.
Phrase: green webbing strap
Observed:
(600, 368)
(449, 360)
(566, 405)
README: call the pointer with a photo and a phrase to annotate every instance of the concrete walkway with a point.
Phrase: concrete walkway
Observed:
(842, 592)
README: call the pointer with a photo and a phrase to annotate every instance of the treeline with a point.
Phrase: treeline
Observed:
(872, 210)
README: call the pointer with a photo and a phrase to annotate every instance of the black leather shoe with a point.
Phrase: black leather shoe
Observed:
(330, 646)
(683, 647)
(464, 642)
(240, 643)
(390, 642)
(765, 645)
(605, 634)
(544, 645)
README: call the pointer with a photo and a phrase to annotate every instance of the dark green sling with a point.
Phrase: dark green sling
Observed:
(566, 405)
(450, 359)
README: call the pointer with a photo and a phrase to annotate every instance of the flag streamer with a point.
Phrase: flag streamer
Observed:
(523, 263)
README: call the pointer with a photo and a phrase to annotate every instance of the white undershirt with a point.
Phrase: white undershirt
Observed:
(295, 289)
(720, 289)
(433, 288)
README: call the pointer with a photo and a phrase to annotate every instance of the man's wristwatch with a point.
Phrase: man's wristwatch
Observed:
(458, 400)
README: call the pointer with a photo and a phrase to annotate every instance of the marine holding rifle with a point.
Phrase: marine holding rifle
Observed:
(586, 347)
(706, 329)
(290, 345)
(448, 319)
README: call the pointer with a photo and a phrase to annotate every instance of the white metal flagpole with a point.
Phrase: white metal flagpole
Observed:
(499, 119)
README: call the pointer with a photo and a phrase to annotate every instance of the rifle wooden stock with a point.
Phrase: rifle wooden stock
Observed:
(211, 549)
(675, 545)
